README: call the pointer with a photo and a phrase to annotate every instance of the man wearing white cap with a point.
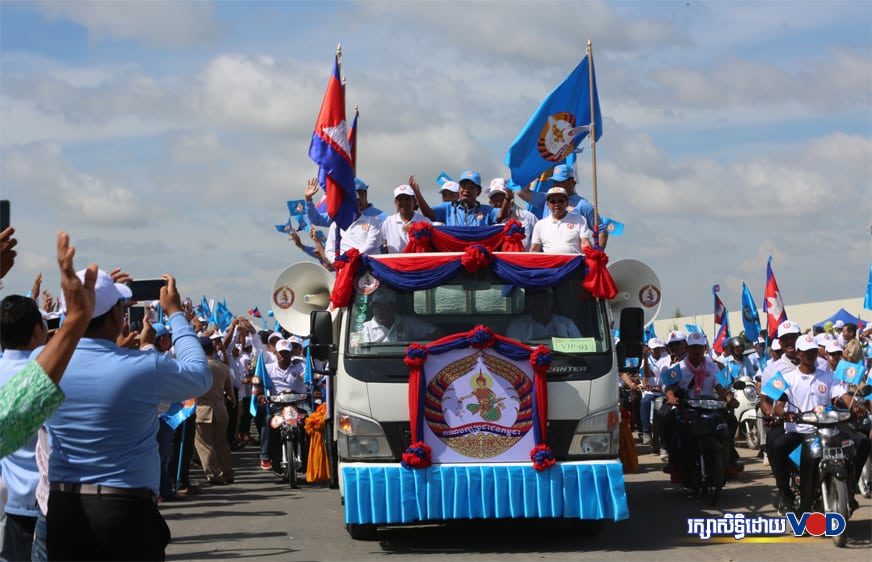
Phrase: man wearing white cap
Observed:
(650, 384)
(496, 197)
(396, 226)
(560, 232)
(104, 467)
(676, 345)
(365, 234)
(807, 387)
(286, 376)
(834, 353)
(449, 191)
(388, 326)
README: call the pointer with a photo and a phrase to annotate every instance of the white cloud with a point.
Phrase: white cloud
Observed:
(159, 23)
(40, 173)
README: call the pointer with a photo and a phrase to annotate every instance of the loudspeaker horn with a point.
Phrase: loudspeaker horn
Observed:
(638, 286)
(299, 290)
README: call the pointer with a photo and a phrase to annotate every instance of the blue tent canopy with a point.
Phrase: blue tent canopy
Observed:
(842, 315)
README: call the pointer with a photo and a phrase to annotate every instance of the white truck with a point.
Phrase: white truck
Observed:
(370, 397)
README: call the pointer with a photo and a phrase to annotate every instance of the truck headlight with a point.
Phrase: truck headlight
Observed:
(596, 435)
(361, 438)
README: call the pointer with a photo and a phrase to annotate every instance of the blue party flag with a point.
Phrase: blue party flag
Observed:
(796, 455)
(222, 317)
(205, 309)
(178, 412)
(307, 373)
(285, 228)
(851, 373)
(762, 361)
(266, 381)
(750, 316)
(723, 378)
(692, 328)
(671, 375)
(776, 386)
(631, 363)
(613, 227)
(556, 128)
(867, 301)
(649, 332)
(297, 210)
(442, 178)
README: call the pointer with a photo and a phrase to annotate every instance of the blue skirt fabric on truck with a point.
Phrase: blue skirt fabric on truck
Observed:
(389, 493)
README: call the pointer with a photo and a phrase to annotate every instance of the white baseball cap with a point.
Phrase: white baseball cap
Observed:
(822, 339)
(283, 345)
(404, 190)
(839, 324)
(497, 185)
(806, 343)
(248, 342)
(556, 191)
(776, 345)
(676, 336)
(788, 327)
(834, 347)
(654, 343)
(107, 293)
(451, 186)
(274, 336)
(296, 340)
(696, 338)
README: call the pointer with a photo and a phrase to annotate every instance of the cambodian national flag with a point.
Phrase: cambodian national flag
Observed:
(722, 336)
(773, 306)
(331, 150)
(254, 312)
(720, 310)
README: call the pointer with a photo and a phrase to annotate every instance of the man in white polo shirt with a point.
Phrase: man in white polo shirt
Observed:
(809, 388)
(396, 227)
(560, 232)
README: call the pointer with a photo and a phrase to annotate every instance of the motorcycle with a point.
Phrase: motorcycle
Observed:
(746, 413)
(289, 416)
(702, 421)
(831, 452)
(863, 425)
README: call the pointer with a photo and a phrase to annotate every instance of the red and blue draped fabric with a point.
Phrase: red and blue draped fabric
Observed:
(331, 150)
(525, 270)
(424, 237)
(480, 337)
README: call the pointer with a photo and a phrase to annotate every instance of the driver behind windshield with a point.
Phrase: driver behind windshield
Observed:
(541, 322)
(386, 326)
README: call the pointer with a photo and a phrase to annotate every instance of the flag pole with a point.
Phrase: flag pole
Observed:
(593, 142)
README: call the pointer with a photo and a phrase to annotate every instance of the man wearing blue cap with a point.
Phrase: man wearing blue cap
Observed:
(466, 211)
(563, 176)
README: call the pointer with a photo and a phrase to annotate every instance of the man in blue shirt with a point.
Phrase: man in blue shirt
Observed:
(21, 331)
(563, 176)
(466, 210)
(104, 469)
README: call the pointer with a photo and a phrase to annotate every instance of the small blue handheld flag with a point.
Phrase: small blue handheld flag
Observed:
(613, 227)
(796, 455)
(776, 386)
(867, 301)
(692, 328)
(851, 373)
(442, 178)
(285, 228)
(671, 375)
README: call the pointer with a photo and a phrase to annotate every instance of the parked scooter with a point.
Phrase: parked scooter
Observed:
(746, 413)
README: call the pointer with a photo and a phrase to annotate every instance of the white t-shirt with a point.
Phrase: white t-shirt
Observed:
(707, 388)
(809, 391)
(403, 329)
(527, 329)
(365, 234)
(561, 236)
(396, 232)
(287, 380)
(783, 366)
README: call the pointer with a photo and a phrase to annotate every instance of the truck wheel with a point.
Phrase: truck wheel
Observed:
(591, 527)
(361, 532)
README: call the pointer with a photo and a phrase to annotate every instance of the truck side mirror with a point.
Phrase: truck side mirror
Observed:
(632, 330)
(321, 334)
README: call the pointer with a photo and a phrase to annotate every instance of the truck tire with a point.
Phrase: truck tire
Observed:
(361, 532)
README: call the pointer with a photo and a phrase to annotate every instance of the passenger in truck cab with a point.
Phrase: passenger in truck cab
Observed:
(386, 326)
(541, 322)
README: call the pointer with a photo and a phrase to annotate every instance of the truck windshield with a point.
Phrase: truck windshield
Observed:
(566, 318)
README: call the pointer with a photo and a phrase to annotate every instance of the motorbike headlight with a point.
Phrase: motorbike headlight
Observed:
(750, 393)
(361, 438)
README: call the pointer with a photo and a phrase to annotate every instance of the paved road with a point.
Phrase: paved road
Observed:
(259, 518)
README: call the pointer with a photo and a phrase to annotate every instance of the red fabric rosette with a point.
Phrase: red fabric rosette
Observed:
(598, 280)
(476, 257)
(346, 268)
(420, 238)
(514, 236)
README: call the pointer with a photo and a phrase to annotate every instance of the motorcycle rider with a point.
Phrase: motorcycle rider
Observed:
(676, 345)
(809, 387)
(650, 384)
(734, 352)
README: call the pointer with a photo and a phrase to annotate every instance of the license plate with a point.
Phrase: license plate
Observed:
(834, 453)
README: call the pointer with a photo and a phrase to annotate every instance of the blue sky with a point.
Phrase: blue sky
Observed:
(167, 136)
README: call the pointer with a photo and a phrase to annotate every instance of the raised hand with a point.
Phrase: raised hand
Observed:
(7, 254)
(170, 300)
(311, 189)
(79, 297)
